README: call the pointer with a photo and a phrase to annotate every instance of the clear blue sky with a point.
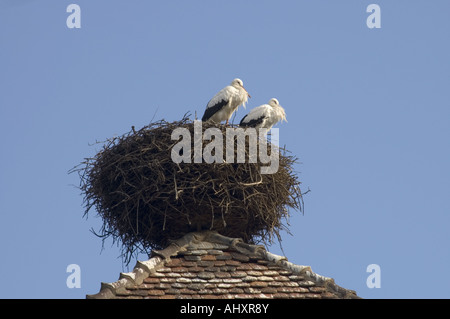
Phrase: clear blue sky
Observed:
(368, 112)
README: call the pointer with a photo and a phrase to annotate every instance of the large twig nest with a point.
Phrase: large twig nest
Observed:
(146, 199)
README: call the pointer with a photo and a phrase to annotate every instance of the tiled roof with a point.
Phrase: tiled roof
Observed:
(208, 265)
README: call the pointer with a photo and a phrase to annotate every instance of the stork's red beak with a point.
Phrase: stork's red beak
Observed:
(247, 92)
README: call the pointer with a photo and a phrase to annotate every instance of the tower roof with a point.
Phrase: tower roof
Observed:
(208, 265)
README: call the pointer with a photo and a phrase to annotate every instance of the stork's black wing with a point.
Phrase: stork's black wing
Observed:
(213, 109)
(251, 123)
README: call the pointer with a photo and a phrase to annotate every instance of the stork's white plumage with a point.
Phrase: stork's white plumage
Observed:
(264, 116)
(225, 102)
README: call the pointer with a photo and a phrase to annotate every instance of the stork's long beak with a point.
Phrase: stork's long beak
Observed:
(246, 92)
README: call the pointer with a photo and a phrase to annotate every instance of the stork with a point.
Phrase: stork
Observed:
(264, 116)
(225, 102)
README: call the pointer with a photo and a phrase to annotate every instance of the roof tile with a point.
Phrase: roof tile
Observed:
(208, 265)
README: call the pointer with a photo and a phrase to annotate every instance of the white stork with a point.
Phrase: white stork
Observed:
(264, 116)
(223, 104)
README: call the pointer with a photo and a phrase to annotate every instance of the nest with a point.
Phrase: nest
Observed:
(146, 199)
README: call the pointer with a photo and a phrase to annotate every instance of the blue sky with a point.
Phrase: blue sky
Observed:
(368, 117)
